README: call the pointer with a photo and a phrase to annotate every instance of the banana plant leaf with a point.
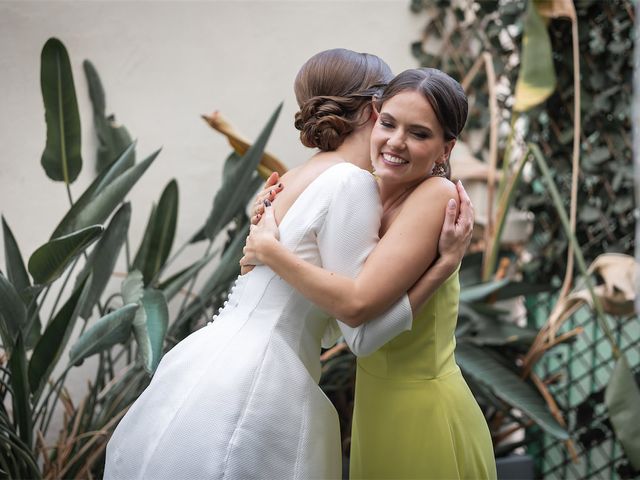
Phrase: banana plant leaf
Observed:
(103, 257)
(231, 196)
(172, 285)
(507, 385)
(113, 139)
(17, 275)
(496, 332)
(159, 235)
(152, 332)
(103, 203)
(537, 77)
(55, 338)
(13, 313)
(16, 271)
(622, 398)
(61, 158)
(475, 293)
(50, 260)
(108, 175)
(20, 385)
(113, 328)
(150, 321)
(141, 255)
(228, 268)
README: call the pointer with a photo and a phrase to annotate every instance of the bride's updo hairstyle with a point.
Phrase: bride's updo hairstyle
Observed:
(445, 95)
(332, 89)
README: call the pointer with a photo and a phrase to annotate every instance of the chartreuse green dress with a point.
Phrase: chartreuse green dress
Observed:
(414, 415)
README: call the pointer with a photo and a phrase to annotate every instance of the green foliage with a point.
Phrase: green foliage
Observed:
(129, 327)
(605, 220)
(61, 157)
(113, 139)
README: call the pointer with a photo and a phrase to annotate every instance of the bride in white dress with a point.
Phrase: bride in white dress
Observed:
(239, 398)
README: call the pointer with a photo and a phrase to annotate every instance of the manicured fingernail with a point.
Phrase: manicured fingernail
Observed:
(452, 203)
(267, 203)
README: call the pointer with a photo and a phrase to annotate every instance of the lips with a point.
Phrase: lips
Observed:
(393, 160)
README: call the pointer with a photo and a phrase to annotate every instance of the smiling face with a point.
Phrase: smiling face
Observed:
(407, 139)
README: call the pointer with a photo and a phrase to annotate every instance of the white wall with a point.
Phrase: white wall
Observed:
(162, 65)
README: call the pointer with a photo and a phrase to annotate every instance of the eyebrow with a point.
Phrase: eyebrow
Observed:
(415, 125)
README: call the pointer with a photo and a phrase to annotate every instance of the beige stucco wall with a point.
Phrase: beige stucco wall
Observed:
(163, 64)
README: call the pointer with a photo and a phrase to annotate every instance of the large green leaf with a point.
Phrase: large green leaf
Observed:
(231, 196)
(113, 328)
(151, 334)
(61, 158)
(106, 177)
(102, 204)
(50, 260)
(55, 338)
(151, 320)
(17, 275)
(622, 398)
(507, 385)
(140, 259)
(161, 233)
(171, 286)
(16, 271)
(479, 292)
(113, 139)
(13, 313)
(228, 268)
(104, 256)
(537, 77)
(20, 385)
(493, 331)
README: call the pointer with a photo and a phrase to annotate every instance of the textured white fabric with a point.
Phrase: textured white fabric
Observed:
(239, 399)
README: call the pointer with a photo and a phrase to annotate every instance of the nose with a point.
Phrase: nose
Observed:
(396, 140)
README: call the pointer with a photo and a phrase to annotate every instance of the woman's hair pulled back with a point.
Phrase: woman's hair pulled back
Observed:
(445, 95)
(332, 89)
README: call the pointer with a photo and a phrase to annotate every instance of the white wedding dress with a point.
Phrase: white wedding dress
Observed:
(239, 398)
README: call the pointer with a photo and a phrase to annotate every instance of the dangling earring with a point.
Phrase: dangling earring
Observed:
(438, 170)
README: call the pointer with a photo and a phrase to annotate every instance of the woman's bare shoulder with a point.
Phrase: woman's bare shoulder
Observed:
(434, 190)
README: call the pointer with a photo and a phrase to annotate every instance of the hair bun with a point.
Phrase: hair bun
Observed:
(324, 122)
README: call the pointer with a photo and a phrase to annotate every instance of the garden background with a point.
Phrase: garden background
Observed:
(549, 355)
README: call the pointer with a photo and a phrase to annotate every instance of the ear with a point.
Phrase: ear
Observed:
(374, 110)
(448, 146)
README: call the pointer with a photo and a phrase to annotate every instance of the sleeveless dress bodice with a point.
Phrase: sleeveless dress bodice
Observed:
(239, 398)
(412, 391)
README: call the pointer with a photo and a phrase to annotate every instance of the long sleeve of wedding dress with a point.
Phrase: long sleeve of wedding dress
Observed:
(347, 237)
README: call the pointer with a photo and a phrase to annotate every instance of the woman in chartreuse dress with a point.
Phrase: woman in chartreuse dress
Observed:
(414, 415)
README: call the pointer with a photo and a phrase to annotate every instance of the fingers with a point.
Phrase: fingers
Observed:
(450, 214)
(272, 180)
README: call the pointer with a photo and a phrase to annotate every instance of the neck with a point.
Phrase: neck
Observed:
(392, 194)
(356, 147)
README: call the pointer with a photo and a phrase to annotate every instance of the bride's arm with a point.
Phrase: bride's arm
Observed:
(402, 256)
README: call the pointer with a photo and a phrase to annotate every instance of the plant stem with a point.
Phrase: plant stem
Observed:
(69, 194)
(600, 316)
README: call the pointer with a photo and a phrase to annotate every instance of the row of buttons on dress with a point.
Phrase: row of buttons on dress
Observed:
(233, 296)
